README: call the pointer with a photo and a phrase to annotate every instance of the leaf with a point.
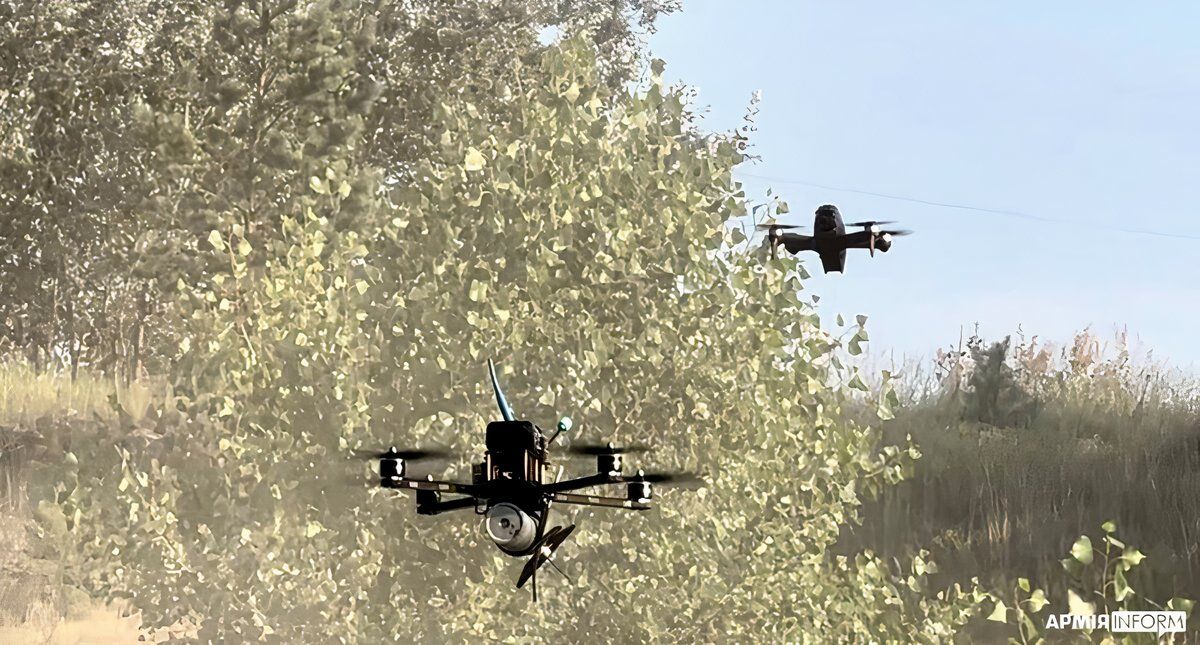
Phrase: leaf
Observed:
(572, 93)
(1000, 613)
(1072, 566)
(1109, 526)
(474, 160)
(1082, 550)
(854, 346)
(214, 238)
(1133, 556)
(1037, 600)
(1023, 583)
(1076, 605)
(1181, 604)
(317, 185)
(478, 291)
(1120, 586)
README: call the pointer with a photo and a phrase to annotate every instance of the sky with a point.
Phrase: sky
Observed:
(1085, 112)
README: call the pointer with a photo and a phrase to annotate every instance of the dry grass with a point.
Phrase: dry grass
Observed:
(1111, 437)
(36, 412)
(27, 396)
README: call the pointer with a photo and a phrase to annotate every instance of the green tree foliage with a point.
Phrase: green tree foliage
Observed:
(65, 170)
(129, 131)
(577, 235)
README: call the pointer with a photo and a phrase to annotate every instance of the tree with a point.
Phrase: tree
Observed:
(994, 394)
(577, 235)
(129, 131)
(66, 172)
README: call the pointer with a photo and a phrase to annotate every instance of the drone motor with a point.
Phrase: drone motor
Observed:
(390, 467)
(639, 491)
(608, 464)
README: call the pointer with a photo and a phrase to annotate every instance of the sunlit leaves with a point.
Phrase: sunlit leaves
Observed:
(1082, 550)
(999, 613)
(473, 161)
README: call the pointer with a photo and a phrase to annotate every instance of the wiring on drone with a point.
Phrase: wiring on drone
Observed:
(967, 207)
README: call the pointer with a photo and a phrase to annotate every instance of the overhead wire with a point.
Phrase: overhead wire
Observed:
(968, 207)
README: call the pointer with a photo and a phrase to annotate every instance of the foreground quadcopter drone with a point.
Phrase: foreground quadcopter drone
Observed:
(510, 490)
(829, 238)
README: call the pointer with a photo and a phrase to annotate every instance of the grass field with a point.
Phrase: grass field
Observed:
(1017, 464)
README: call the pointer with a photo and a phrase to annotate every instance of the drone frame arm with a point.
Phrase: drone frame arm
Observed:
(583, 482)
(858, 239)
(427, 484)
(795, 242)
(599, 500)
(443, 506)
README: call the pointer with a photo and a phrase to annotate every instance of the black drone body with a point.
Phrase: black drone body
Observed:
(830, 240)
(511, 490)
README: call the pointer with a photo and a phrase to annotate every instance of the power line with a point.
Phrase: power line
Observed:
(978, 209)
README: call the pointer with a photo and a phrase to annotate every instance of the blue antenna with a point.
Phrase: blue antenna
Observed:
(505, 410)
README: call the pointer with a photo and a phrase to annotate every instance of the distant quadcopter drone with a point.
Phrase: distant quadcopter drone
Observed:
(829, 238)
(510, 489)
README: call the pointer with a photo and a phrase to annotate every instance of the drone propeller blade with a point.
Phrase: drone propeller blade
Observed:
(872, 222)
(779, 227)
(900, 232)
(561, 572)
(560, 537)
(505, 410)
(528, 570)
(392, 453)
(596, 449)
(543, 551)
(682, 480)
(360, 482)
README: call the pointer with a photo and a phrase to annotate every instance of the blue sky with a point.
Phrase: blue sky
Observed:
(1086, 112)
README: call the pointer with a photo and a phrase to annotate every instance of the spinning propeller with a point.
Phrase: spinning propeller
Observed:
(393, 462)
(608, 460)
(410, 455)
(772, 230)
(873, 227)
(596, 449)
(683, 480)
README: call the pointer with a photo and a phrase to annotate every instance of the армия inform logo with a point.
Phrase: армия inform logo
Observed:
(1153, 622)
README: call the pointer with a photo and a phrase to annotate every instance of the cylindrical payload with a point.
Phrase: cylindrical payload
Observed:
(512, 529)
